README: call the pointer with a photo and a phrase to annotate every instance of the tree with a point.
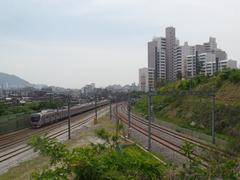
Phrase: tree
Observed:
(192, 169)
(223, 166)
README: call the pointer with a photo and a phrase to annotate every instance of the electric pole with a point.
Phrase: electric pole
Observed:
(69, 125)
(190, 86)
(129, 114)
(117, 121)
(95, 102)
(149, 120)
(110, 110)
(213, 115)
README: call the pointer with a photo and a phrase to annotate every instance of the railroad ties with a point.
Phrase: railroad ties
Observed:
(167, 138)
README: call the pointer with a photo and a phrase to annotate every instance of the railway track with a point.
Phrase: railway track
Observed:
(166, 143)
(177, 135)
(60, 130)
(26, 148)
(14, 139)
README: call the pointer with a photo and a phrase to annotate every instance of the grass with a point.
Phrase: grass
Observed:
(24, 170)
(138, 153)
(186, 125)
(87, 134)
(180, 124)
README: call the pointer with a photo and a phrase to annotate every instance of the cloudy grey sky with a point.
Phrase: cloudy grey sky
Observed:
(73, 42)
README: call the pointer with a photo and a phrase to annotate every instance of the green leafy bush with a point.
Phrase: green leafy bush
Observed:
(99, 161)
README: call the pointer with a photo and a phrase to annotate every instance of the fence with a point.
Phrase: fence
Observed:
(9, 123)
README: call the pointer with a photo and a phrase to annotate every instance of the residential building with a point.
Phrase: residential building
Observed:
(191, 65)
(178, 63)
(170, 46)
(205, 62)
(221, 55)
(211, 66)
(180, 59)
(157, 57)
(199, 49)
(146, 79)
(171, 61)
(211, 46)
(232, 64)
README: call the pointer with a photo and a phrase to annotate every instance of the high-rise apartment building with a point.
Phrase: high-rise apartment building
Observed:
(177, 63)
(170, 46)
(211, 46)
(157, 57)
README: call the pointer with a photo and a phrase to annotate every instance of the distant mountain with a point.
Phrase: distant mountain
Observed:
(12, 81)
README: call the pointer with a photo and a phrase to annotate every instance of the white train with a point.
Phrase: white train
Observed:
(51, 116)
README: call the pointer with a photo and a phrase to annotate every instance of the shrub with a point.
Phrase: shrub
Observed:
(99, 161)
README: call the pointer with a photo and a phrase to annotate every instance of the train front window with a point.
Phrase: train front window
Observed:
(35, 117)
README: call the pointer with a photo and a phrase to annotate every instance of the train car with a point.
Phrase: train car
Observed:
(51, 116)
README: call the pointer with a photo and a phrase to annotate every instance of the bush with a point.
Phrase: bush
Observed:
(99, 161)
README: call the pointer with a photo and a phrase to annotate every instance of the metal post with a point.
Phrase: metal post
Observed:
(190, 87)
(152, 112)
(213, 116)
(110, 110)
(117, 120)
(95, 99)
(69, 125)
(129, 114)
(149, 121)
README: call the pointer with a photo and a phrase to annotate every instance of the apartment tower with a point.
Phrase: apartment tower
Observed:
(157, 58)
(170, 46)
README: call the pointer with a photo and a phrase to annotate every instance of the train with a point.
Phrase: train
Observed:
(50, 116)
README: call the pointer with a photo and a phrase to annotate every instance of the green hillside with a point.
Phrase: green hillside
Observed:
(195, 112)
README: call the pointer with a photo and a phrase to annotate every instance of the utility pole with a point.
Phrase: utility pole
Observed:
(117, 120)
(129, 114)
(213, 115)
(95, 102)
(69, 125)
(110, 111)
(149, 120)
(190, 86)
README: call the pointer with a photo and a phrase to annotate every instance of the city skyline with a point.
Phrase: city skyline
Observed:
(73, 43)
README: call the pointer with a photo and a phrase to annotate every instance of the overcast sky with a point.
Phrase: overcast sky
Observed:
(70, 43)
